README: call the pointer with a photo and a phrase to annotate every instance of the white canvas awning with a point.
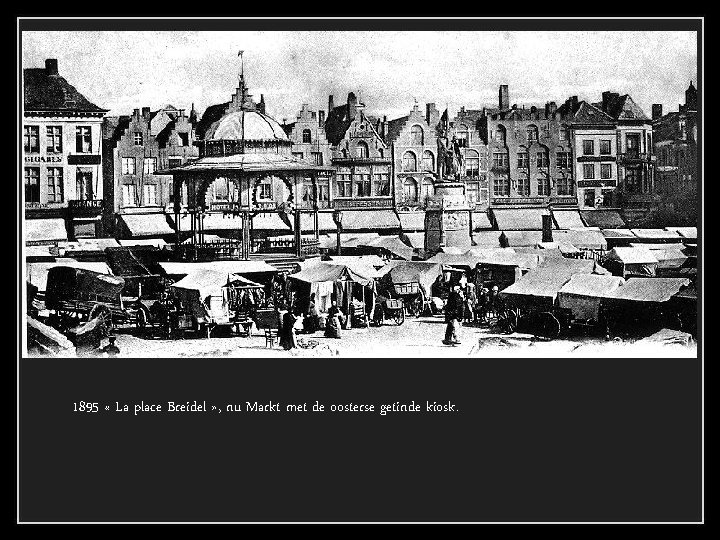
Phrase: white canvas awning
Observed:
(44, 230)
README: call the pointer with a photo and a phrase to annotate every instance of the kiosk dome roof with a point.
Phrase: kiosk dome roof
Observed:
(258, 126)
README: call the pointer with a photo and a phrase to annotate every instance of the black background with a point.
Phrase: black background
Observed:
(532, 440)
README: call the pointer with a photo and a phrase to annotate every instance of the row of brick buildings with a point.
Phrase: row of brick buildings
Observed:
(98, 174)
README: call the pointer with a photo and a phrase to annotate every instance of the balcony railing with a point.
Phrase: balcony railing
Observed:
(364, 202)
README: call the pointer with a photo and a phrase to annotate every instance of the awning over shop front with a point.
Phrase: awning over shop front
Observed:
(480, 221)
(369, 220)
(522, 238)
(605, 219)
(44, 230)
(412, 221)
(568, 219)
(270, 221)
(146, 224)
(227, 267)
(519, 219)
(325, 222)
(489, 239)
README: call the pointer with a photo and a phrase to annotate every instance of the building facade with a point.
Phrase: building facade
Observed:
(529, 155)
(310, 143)
(593, 154)
(413, 141)
(134, 148)
(62, 158)
(675, 144)
(466, 128)
(361, 157)
(635, 158)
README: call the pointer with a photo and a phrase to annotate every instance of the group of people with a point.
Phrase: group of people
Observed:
(308, 321)
(465, 302)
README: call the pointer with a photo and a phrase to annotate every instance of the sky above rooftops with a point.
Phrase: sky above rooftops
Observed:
(388, 71)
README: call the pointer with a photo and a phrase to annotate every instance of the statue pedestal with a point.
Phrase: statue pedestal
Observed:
(447, 218)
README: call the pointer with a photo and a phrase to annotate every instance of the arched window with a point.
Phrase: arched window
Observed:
(543, 158)
(428, 161)
(220, 189)
(462, 135)
(532, 132)
(307, 136)
(410, 190)
(472, 164)
(362, 149)
(523, 158)
(500, 134)
(416, 134)
(428, 188)
(409, 162)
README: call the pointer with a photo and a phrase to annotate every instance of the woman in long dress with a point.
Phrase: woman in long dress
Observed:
(334, 320)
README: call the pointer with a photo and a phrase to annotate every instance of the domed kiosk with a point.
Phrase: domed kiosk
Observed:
(246, 169)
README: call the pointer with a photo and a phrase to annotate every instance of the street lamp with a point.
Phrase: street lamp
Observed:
(337, 216)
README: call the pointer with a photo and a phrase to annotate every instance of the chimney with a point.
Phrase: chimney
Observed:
(384, 127)
(574, 102)
(656, 111)
(504, 97)
(607, 99)
(261, 105)
(182, 113)
(321, 117)
(352, 105)
(136, 112)
(547, 235)
(331, 105)
(146, 111)
(550, 109)
(51, 66)
(432, 115)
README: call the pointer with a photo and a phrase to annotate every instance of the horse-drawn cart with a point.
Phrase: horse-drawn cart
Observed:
(389, 309)
(76, 295)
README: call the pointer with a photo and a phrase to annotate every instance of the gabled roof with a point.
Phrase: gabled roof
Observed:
(211, 115)
(43, 92)
(623, 108)
(164, 134)
(395, 127)
(337, 124)
(588, 114)
(115, 126)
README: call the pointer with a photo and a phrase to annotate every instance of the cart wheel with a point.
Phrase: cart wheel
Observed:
(507, 320)
(399, 316)
(549, 325)
(103, 312)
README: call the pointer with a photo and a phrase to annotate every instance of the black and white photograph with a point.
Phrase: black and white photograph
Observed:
(360, 270)
(360, 193)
